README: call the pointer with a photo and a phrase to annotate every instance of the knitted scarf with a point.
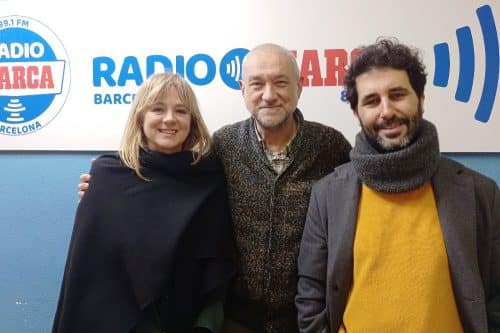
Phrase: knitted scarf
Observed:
(401, 170)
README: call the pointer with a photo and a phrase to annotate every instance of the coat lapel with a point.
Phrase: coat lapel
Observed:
(342, 215)
(455, 200)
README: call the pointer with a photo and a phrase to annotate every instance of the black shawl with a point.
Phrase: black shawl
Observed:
(137, 243)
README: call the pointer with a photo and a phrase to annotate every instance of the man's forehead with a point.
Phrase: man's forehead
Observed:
(275, 66)
(273, 73)
(384, 77)
(266, 59)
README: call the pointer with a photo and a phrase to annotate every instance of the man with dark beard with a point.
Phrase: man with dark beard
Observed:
(401, 239)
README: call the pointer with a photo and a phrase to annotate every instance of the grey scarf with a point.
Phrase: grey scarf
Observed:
(401, 170)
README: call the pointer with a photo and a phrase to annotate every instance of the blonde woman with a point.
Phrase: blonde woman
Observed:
(151, 246)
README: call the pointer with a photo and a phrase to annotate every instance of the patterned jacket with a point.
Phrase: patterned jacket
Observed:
(268, 212)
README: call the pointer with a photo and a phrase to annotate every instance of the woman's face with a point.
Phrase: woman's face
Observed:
(166, 125)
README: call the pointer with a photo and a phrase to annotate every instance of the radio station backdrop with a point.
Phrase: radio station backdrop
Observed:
(69, 71)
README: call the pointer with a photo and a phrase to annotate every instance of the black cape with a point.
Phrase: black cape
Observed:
(136, 243)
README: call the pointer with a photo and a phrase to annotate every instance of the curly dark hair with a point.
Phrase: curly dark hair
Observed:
(385, 52)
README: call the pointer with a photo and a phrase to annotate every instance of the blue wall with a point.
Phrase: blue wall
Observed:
(37, 204)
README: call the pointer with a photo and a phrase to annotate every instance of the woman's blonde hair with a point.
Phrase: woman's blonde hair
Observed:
(149, 94)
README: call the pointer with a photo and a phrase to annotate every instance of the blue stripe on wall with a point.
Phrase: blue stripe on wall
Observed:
(38, 198)
(37, 204)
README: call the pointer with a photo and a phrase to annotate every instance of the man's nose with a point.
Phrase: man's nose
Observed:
(386, 108)
(269, 93)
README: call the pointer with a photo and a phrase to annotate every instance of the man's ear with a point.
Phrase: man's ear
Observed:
(242, 86)
(355, 113)
(422, 99)
(300, 84)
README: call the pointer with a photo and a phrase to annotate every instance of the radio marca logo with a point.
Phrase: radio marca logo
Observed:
(34, 75)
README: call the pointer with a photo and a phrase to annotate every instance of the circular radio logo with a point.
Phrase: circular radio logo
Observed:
(34, 75)
(230, 67)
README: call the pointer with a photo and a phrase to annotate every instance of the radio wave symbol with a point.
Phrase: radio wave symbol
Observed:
(230, 67)
(14, 107)
(233, 68)
(466, 63)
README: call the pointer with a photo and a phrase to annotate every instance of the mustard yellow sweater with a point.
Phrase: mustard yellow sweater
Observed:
(401, 279)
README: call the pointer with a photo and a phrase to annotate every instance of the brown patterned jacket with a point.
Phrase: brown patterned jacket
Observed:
(268, 212)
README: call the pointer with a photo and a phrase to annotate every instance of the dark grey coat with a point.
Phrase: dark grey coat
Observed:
(469, 210)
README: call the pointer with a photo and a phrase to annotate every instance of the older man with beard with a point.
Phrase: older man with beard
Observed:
(401, 239)
(271, 161)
